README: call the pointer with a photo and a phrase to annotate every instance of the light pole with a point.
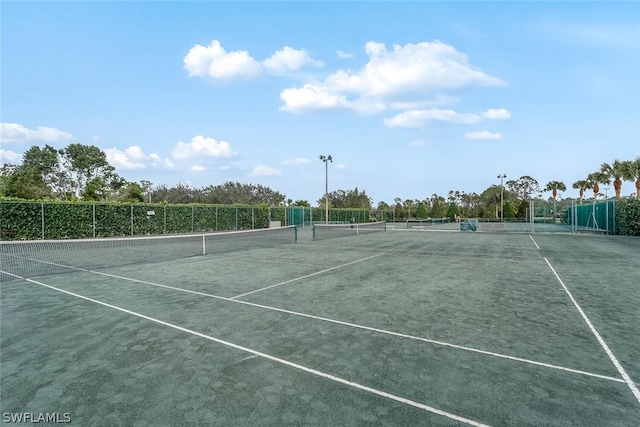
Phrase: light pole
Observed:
(326, 160)
(502, 176)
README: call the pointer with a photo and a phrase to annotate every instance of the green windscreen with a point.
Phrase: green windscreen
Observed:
(598, 217)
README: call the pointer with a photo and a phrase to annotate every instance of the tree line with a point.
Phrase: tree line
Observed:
(512, 200)
(82, 172)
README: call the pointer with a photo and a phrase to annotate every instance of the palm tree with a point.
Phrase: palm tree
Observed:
(581, 185)
(595, 179)
(631, 172)
(614, 171)
(554, 187)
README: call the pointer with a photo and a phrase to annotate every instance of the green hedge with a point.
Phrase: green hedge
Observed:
(628, 217)
(68, 220)
(21, 220)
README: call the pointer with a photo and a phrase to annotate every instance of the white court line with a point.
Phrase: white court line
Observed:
(271, 358)
(352, 325)
(612, 357)
(534, 242)
(304, 277)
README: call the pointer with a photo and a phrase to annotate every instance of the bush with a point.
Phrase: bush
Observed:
(628, 217)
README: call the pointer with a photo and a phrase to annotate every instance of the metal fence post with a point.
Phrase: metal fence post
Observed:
(614, 216)
(42, 217)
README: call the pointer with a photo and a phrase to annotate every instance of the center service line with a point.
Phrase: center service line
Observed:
(612, 357)
(534, 242)
(273, 358)
(308, 275)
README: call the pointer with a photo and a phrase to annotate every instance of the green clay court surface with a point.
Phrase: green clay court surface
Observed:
(397, 328)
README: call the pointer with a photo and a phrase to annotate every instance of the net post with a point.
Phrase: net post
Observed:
(295, 233)
(204, 245)
(532, 213)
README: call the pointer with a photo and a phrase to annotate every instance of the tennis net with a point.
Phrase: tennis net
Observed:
(27, 259)
(331, 231)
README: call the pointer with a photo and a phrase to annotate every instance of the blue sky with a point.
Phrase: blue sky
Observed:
(409, 98)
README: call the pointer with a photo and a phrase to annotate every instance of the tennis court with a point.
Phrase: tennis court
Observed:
(403, 327)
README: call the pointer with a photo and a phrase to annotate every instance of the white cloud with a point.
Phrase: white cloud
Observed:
(133, 158)
(404, 72)
(484, 135)
(343, 55)
(311, 97)
(290, 59)
(264, 171)
(420, 118)
(10, 157)
(497, 114)
(197, 168)
(201, 146)
(215, 62)
(156, 161)
(14, 132)
(130, 158)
